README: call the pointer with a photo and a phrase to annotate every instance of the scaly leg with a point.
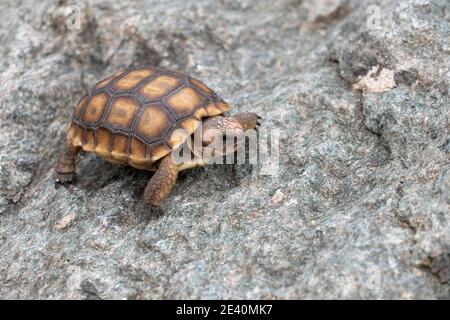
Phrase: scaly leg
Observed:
(162, 181)
(64, 170)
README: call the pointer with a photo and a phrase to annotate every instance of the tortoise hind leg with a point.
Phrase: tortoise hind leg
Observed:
(162, 182)
(65, 167)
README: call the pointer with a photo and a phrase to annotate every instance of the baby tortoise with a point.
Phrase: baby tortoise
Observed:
(130, 118)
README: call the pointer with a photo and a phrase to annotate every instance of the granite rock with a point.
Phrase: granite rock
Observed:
(358, 208)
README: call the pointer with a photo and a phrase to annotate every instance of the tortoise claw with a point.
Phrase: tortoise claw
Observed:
(64, 178)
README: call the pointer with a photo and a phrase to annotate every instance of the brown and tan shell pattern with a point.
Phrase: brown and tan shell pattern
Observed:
(130, 117)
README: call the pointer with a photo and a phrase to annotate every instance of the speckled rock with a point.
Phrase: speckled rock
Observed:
(360, 204)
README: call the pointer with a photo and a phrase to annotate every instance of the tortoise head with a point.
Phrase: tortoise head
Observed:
(219, 137)
(228, 134)
(236, 125)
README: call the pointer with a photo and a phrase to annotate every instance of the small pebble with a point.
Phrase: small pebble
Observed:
(278, 196)
(65, 222)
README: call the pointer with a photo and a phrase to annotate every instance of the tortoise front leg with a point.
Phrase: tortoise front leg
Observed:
(64, 170)
(162, 181)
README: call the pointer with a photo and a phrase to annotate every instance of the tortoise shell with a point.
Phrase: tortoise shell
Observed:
(131, 116)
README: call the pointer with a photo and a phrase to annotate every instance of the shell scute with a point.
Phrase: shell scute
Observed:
(160, 86)
(122, 112)
(78, 136)
(104, 82)
(138, 151)
(201, 86)
(94, 109)
(184, 101)
(103, 142)
(131, 79)
(153, 122)
(88, 141)
(79, 107)
(119, 149)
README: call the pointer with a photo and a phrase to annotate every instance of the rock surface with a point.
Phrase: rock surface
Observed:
(360, 205)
